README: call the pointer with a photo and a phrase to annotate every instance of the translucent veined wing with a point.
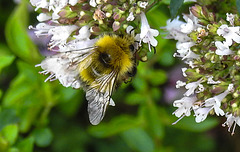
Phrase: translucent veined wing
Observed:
(99, 96)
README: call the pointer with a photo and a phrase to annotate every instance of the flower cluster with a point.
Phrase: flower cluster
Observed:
(69, 22)
(210, 48)
(75, 25)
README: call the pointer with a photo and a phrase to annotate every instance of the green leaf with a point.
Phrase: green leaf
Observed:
(13, 150)
(117, 125)
(10, 133)
(139, 84)
(28, 117)
(15, 95)
(26, 145)
(6, 61)
(189, 124)
(17, 36)
(134, 98)
(152, 119)
(157, 77)
(70, 100)
(43, 136)
(238, 6)
(174, 7)
(165, 2)
(3, 144)
(8, 116)
(138, 140)
(23, 93)
(1, 93)
(6, 57)
(23, 85)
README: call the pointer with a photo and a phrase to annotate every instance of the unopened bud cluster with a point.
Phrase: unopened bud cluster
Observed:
(68, 22)
(210, 48)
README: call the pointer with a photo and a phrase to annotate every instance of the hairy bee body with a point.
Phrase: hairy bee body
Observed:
(110, 61)
(112, 53)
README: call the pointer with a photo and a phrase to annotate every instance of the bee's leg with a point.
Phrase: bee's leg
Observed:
(133, 72)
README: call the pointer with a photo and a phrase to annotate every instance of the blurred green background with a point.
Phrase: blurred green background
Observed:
(46, 117)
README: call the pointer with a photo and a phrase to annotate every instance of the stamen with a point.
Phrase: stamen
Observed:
(37, 65)
(53, 79)
(50, 77)
(233, 130)
(44, 72)
(178, 119)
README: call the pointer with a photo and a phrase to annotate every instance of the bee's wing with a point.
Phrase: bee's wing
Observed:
(99, 97)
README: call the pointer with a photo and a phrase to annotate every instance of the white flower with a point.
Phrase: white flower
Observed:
(184, 51)
(173, 27)
(190, 55)
(201, 114)
(59, 66)
(84, 33)
(93, 3)
(191, 64)
(57, 5)
(43, 17)
(222, 48)
(174, 24)
(180, 84)
(230, 18)
(184, 106)
(130, 17)
(81, 45)
(192, 87)
(42, 29)
(184, 46)
(73, 2)
(60, 34)
(187, 27)
(143, 4)
(184, 72)
(200, 88)
(231, 87)
(215, 103)
(64, 65)
(192, 23)
(40, 4)
(231, 121)
(147, 34)
(129, 29)
(229, 33)
(211, 81)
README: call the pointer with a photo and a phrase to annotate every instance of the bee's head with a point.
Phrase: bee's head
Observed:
(115, 52)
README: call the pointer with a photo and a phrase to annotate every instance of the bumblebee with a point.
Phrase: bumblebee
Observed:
(98, 71)
(110, 63)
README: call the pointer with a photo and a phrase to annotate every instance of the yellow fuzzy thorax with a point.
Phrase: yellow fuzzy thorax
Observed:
(117, 49)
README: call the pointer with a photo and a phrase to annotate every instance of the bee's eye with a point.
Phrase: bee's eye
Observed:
(106, 58)
(131, 47)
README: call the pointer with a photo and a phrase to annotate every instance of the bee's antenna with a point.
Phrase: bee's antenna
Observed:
(81, 49)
